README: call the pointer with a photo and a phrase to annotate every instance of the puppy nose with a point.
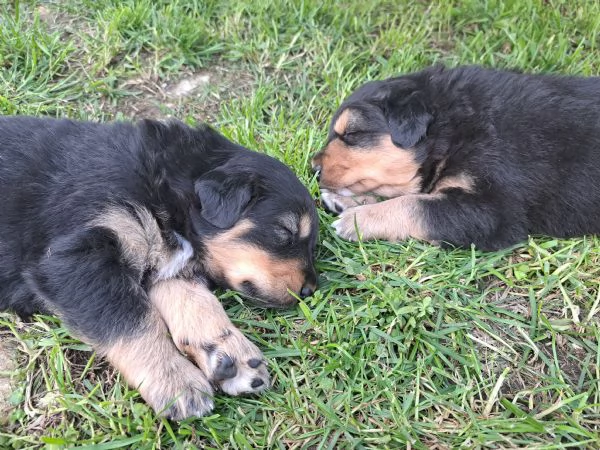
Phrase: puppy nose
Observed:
(315, 162)
(306, 291)
(317, 170)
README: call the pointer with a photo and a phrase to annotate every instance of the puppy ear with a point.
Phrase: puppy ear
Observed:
(409, 119)
(223, 197)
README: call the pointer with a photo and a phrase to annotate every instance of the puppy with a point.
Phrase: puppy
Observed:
(122, 230)
(465, 156)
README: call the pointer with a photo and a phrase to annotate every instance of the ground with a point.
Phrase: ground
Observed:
(404, 345)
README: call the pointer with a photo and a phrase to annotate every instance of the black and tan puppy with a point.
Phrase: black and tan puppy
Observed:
(465, 155)
(122, 230)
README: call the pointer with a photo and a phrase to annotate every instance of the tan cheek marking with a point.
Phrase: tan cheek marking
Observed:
(342, 122)
(391, 169)
(225, 251)
(305, 226)
(237, 262)
(462, 181)
(241, 262)
(239, 229)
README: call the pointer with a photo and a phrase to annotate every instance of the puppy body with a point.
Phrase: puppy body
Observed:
(480, 156)
(100, 220)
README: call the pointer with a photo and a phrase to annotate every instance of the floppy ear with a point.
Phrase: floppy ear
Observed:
(223, 197)
(408, 119)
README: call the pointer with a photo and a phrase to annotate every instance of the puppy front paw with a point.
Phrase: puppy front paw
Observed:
(180, 393)
(232, 363)
(393, 220)
(171, 384)
(337, 203)
(354, 222)
(201, 330)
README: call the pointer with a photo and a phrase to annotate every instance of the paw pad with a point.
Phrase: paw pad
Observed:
(225, 369)
(254, 363)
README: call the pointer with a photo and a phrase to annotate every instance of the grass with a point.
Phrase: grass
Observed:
(403, 346)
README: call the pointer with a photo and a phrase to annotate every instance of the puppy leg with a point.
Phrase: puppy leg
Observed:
(394, 220)
(150, 362)
(201, 329)
(456, 218)
(83, 280)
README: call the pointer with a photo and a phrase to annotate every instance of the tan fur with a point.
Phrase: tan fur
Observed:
(140, 238)
(384, 170)
(197, 321)
(393, 220)
(151, 363)
(342, 122)
(305, 226)
(193, 315)
(300, 227)
(462, 181)
(185, 317)
(238, 261)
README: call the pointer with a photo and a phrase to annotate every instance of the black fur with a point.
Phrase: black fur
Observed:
(58, 175)
(531, 143)
(216, 188)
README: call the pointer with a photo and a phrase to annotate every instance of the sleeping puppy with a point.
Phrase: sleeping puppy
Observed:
(465, 156)
(121, 230)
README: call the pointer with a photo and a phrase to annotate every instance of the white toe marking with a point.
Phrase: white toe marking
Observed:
(337, 224)
(242, 383)
(329, 199)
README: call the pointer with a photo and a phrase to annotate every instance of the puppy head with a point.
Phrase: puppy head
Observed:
(258, 226)
(371, 146)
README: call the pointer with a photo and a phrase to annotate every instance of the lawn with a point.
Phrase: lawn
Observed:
(404, 345)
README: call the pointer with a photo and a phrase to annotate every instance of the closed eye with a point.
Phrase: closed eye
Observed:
(284, 234)
(349, 137)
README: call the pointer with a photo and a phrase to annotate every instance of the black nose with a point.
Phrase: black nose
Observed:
(306, 291)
